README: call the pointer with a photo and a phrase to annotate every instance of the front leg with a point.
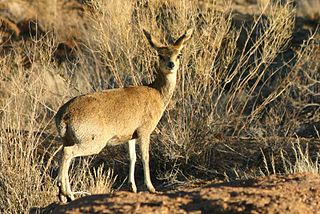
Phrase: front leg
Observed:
(144, 145)
(133, 158)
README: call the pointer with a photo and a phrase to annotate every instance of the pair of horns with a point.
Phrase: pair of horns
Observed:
(178, 43)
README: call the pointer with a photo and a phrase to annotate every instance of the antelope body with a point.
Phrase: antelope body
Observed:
(89, 122)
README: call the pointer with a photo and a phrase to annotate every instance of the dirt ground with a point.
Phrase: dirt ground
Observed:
(298, 193)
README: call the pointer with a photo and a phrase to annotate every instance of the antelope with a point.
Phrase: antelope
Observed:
(89, 122)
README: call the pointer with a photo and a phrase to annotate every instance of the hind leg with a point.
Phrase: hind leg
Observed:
(70, 152)
(65, 193)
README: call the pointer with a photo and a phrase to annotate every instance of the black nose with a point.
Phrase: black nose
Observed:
(170, 65)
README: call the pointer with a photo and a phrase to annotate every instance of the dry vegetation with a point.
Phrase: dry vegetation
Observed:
(246, 102)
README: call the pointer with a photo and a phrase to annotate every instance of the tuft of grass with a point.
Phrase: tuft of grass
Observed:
(302, 161)
(296, 159)
(101, 182)
(87, 181)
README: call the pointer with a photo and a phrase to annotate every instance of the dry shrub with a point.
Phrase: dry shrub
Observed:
(222, 90)
(24, 176)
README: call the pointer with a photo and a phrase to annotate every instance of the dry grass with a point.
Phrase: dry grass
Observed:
(296, 159)
(239, 81)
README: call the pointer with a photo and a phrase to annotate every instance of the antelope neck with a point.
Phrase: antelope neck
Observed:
(165, 84)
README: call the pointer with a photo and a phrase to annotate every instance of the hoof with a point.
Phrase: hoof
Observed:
(63, 199)
(70, 198)
(152, 189)
(133, 187)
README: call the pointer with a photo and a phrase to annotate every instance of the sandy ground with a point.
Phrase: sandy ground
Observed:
(298, 193)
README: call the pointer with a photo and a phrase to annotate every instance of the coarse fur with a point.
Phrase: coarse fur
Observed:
(89, 122)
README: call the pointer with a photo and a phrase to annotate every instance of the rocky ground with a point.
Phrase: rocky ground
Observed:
(298, 193)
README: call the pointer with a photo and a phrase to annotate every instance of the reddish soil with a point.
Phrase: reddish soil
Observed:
(299, 193)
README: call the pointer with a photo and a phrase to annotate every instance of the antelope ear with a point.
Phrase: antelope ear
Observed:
(183, 38)
(153, 41)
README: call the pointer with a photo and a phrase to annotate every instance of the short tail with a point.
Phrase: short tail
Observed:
(61, 125)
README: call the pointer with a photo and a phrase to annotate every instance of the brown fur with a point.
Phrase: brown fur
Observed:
(140, 108)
